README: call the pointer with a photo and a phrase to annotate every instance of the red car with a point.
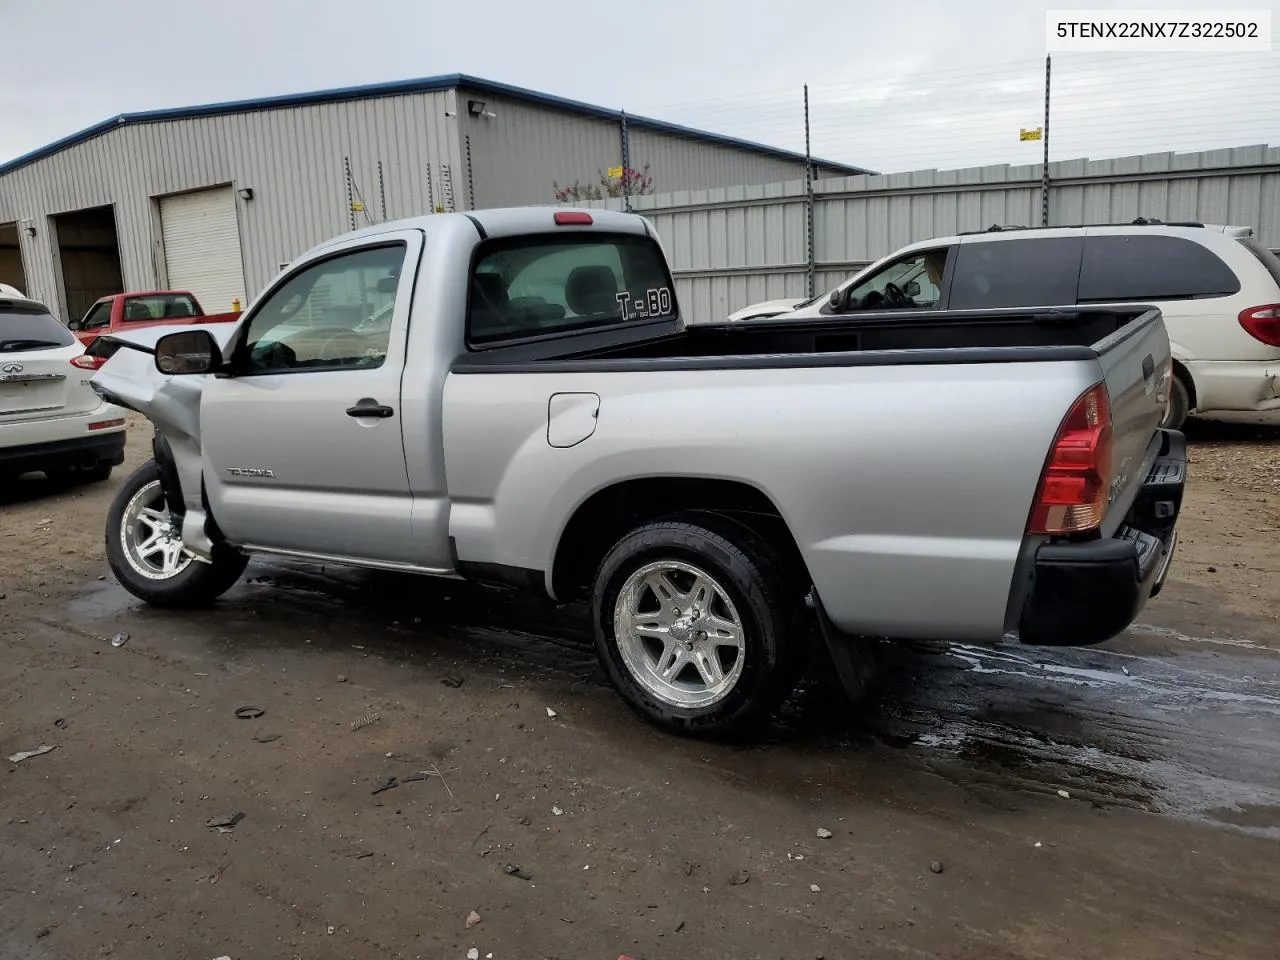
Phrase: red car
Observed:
(124, 311)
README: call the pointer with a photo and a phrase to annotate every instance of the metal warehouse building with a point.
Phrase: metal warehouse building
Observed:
(215, 199)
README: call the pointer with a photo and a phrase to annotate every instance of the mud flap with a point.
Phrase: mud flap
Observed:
(853, 656)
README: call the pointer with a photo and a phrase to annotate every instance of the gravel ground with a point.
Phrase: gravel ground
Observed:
(1119, 801)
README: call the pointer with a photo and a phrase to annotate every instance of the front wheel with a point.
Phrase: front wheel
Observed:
(146, 555)
(697, 627)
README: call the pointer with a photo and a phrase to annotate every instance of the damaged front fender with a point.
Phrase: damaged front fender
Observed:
(172, 404)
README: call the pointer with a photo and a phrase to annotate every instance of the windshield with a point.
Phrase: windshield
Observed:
(826, 295)
(30, 328)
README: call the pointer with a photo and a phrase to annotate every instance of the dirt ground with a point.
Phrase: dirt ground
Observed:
(993, 803)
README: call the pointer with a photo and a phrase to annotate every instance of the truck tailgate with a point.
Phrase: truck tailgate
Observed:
(1137, 366)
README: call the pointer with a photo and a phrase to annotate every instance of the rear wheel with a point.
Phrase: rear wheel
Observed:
(145, 551)
(697, 627)
(74, 475)
(98, 473)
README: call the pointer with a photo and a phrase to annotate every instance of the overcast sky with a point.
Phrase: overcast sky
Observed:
(893, 86)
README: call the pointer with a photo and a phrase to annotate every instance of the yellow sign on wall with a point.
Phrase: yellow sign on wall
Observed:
(615, 173)
(1030, 134)
(357, 206)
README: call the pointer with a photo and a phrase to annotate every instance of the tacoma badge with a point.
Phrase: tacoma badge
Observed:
(251, 472)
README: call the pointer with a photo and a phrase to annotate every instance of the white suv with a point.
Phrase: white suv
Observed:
(1218, 288)
(50, 418)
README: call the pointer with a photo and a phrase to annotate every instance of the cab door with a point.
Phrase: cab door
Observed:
(303, 451)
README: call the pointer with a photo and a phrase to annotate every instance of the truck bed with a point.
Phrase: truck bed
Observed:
(875, 438)
(956, 336)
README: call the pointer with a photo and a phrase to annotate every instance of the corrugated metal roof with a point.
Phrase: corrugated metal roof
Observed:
(400, 87)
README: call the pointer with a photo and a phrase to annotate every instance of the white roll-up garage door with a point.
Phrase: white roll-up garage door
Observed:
(202, 246)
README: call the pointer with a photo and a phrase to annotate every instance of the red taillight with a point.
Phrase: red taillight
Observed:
(1073, 489)
(566, 218)
(86, 362)
(106, 424)
(1262, 323)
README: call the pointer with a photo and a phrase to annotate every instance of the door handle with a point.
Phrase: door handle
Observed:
(369, 407)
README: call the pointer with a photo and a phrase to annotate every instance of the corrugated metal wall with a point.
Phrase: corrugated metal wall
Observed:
(517, 154)
(524, 150)
(435, 154)
(734, 246)
(292, 158)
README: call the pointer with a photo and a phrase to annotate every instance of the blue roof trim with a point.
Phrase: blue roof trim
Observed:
(400, 88)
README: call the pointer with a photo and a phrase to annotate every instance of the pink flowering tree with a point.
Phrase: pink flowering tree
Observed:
(632, 183)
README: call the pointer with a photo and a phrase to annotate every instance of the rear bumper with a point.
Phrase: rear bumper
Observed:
(55, 454)
(1087, 592)
(1245, 385)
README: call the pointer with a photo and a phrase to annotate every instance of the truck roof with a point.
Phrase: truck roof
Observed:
(503, 222)
(151, 293)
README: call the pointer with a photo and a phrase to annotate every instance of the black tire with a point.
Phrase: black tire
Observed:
(197, 584)
(99, 473)
(771, 613)
(68, 476)
(1179, 404)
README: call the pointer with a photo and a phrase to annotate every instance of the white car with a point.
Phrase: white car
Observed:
(1218, 288)
(50, 418)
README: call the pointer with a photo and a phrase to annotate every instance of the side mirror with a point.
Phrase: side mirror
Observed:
(388, 284)
(912, 289)
(74, 325)
(191, 351)
(836, 300)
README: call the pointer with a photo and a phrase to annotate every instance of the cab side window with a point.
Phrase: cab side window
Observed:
(913, 283)
(332, 315)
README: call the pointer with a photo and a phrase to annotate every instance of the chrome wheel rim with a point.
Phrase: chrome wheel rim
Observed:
(152, 547)
(679, 634)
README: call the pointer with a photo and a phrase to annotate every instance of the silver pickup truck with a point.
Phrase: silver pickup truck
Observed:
(511, 397)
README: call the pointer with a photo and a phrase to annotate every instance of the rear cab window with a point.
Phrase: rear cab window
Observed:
(1136, 267)
(990, 274)
(543, 284)
(160, 307)
(26, 327)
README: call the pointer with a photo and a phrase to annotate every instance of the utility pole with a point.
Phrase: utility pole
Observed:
(626, 162)
(351, 206)
(808, 191)
(1044, 173)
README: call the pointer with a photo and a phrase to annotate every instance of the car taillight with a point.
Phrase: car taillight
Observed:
(1262, 323)
(86, 362)
(1072, 497)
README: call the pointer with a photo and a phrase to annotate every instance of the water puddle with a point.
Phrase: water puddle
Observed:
(1189, 732)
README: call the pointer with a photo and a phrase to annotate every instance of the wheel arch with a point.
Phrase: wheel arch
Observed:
(1182, 373)
(1180, 355)
(608, 514)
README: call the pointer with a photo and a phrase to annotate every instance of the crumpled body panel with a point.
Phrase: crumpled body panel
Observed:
(172, 404)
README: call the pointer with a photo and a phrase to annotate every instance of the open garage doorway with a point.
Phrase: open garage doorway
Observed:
(11, 269)
(88, 256)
